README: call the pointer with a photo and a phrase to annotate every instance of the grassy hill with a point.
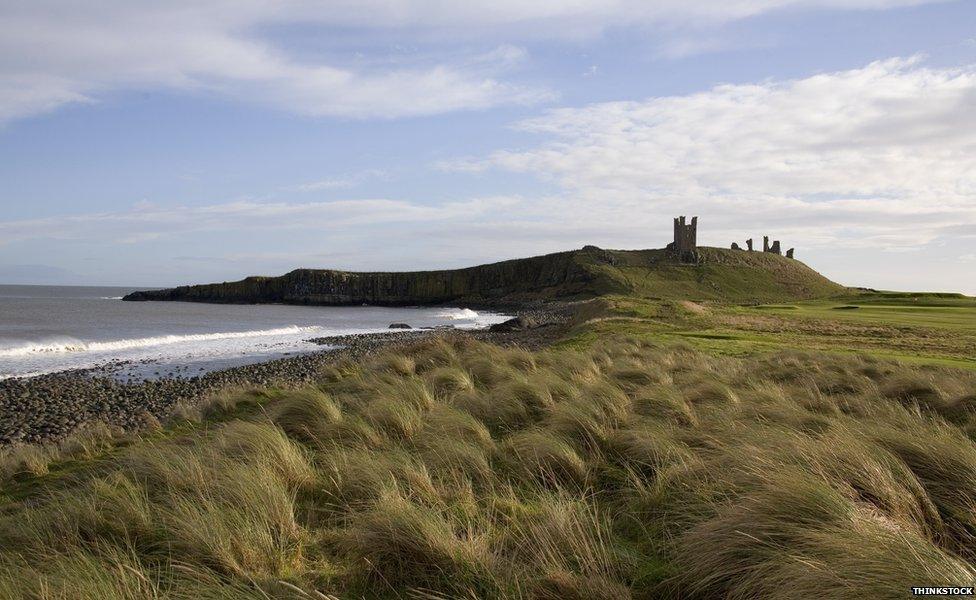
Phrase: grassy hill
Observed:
(722, 275)
(726, 275)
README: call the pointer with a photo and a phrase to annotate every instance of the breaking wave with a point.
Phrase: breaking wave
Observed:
(75, 346)
(458, 314)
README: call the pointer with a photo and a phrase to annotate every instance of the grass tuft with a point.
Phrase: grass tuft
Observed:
(307, 415)
(401, 544)
(448, 381)
(541, 456)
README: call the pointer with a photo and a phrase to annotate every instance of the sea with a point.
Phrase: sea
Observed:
(47, 329)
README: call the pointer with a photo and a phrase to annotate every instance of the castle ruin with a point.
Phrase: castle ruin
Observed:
(685, 244)
(773, 248)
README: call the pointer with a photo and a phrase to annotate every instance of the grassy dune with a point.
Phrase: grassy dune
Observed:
(456, 469)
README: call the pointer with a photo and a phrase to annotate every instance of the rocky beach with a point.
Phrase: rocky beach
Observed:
(48, 408)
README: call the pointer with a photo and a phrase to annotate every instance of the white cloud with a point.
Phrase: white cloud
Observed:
(324, 184)
(146, 222)
(53, 53)
(881, 156)
(341, 182)
(57, 52)
(559, 17)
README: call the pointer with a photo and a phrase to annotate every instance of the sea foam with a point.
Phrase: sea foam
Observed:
(458, 314)
(75, 346)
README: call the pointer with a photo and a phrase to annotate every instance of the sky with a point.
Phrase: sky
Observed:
(164, 143)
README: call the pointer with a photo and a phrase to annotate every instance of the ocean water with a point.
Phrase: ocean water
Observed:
(45, 329)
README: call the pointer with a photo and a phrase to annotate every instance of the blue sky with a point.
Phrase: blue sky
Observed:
(180, 142)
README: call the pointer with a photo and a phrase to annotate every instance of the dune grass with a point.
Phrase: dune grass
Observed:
(457, 469)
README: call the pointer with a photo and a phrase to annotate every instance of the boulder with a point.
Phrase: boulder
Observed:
(400, 326)
(515, 324)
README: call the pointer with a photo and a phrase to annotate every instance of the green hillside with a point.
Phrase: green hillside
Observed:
(722, 275)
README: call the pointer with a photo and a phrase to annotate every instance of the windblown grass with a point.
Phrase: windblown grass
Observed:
(454, 469)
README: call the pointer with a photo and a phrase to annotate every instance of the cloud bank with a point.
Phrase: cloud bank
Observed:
(54, 53)
(881, 156)
(147, 221)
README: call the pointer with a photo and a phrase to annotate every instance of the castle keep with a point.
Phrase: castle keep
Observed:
(685, 244)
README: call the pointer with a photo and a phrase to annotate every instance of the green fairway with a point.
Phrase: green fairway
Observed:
(956, 316)
(918, 328)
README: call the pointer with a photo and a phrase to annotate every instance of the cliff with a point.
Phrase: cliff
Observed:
(724, 275)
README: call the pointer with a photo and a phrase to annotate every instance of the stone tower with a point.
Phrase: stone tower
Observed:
(685, 244)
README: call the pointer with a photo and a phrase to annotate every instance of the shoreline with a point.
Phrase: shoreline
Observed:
(46, 409)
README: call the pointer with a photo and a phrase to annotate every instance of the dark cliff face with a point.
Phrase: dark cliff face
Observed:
(555, 275)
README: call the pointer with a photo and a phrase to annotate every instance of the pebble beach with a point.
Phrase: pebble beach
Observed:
(48, 408)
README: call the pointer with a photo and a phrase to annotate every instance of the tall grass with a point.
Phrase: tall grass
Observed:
(455, 469)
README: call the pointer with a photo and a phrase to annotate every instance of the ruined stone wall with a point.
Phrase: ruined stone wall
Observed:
(773, 248)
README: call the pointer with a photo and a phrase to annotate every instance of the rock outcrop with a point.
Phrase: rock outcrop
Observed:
(558, 275)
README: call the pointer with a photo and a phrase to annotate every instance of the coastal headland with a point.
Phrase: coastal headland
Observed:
(717, 274)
